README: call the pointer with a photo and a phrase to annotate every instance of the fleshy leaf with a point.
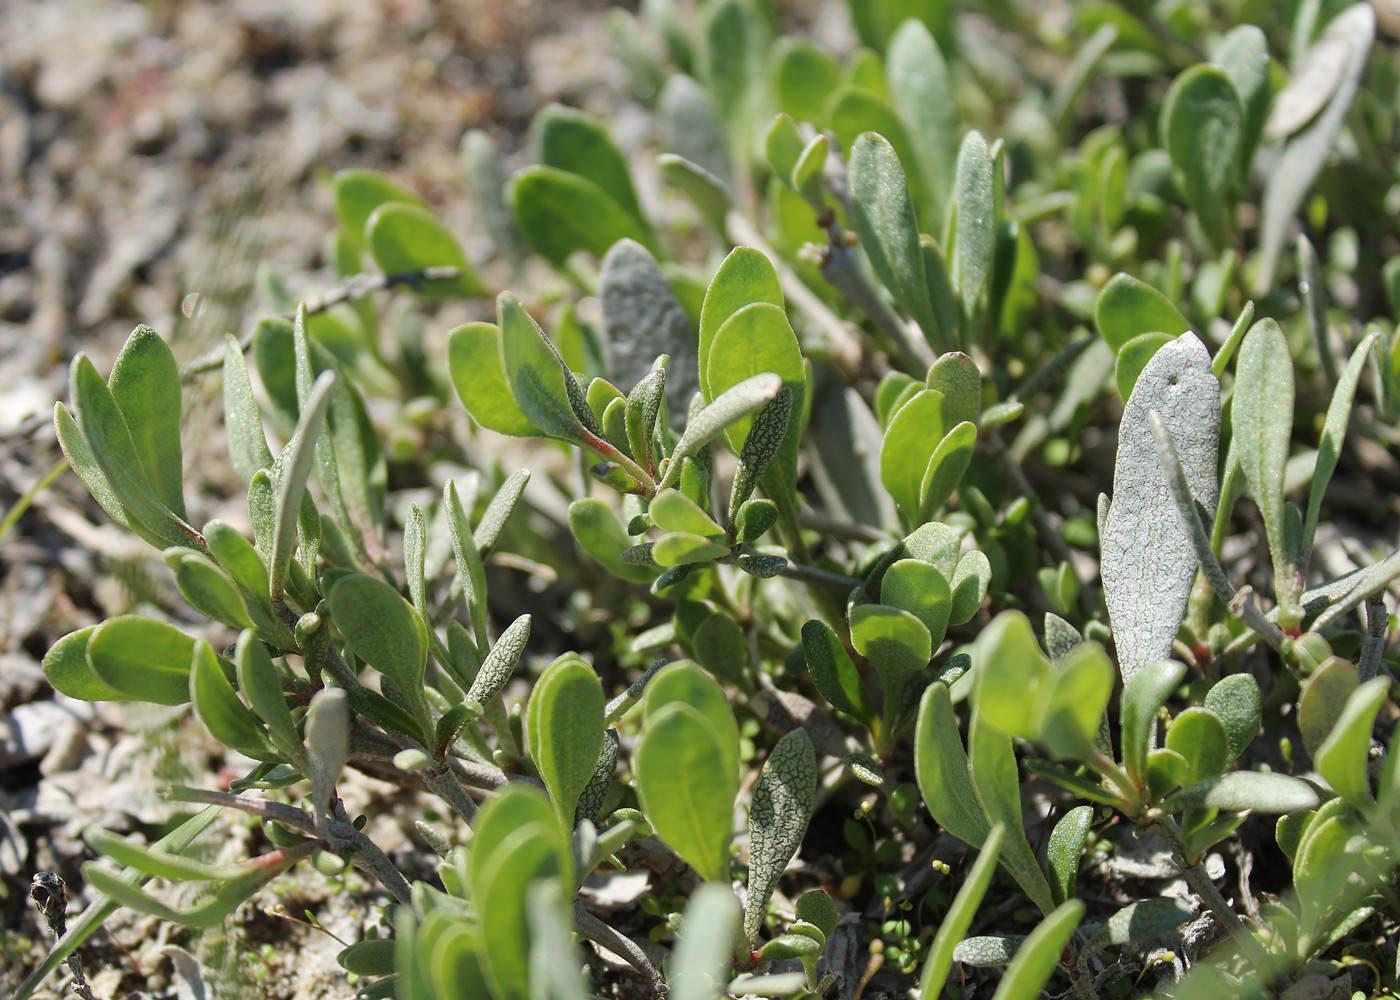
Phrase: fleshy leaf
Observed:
(1148, 557)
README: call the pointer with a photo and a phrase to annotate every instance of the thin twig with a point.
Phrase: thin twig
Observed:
(593, 929)
(1374, 644)
(344, 838)
(846, 531)
(356, 286)
(51, 895)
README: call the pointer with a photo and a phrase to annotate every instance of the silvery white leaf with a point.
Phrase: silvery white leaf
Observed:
(1309, 88)
(1148, 560)
(1292, 174)
(643, 319)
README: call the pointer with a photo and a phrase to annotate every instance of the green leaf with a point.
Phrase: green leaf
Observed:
(1134, 356)
(683, 549)
(804, 76)
(301, 451)
(1260, 791)
(1334, 433)
(471, 570)
(1263, 423)
(853, 109)
(1202, 126)
(595, 793)
(1039, 954)
(912, 437)
(834, 673)
(783, 146)
(766, 436)
(1323, 699)
(405, 238)
(918, 587)
(209, 590)
(112, 449)
(745, 277)
(755, 517)
(705, 944)
(973, 221)
(1128, 308)
(672, 510)
(946, 468)
(1342, 759)
(144, 659)
(940, 763)
(756, 338)
(921, 90)
(227, 719)
(736, 37)
(1200, 738)
(889, 229)
(382, 629)
(84, 463)
(1144, 694)
(731, 405)
(1011, 670)
(603, 537)
(145, 385)
(514, 807)
(686, 788)
(476, 361)
(782, 805)
(358, 193)
(68, 671)
(957, 377)
(895, 642)
(996, 779)
(528, 856)
(706, 191)
(817, 908)
(1292, 174)
(1064, 850)
(573, 141)
(1143, 920)
(969, 586)
(1236, 701)
(564, 719)
(1148, 555)
(809, 173)
(1073, 716)
(958, 919)
(722, 648)
(498, 511)
(370, 957)
(261, 684)
(1243, 54)
(560, 213)
(681, 682)
(247, 443)
(556, 967)
(538, 378)
(239, 559)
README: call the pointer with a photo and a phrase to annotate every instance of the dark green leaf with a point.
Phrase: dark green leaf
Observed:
(1064, 850)
(782, 805)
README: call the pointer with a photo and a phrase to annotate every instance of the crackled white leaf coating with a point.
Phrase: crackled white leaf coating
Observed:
(1148, 561)
(782, 805)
